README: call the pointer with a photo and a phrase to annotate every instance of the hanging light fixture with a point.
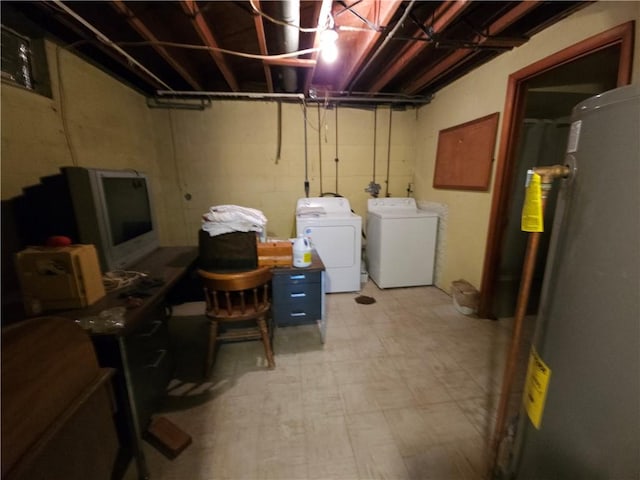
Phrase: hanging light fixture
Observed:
(328, 47)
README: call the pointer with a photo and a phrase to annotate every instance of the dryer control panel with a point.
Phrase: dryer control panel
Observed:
(405, 203)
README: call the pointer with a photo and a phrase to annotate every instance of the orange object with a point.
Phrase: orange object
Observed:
(275, 254)
(58, 241)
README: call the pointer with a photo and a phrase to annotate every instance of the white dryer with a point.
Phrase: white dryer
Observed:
(401, 242)
(335, 232)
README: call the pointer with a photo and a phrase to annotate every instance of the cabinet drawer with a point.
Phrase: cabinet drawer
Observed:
(295, 308)
(149, 364)
(285, 294)
(149, 380)
(295, 278)
(291, 315)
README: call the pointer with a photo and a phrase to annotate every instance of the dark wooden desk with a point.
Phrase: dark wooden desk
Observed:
(140, 351)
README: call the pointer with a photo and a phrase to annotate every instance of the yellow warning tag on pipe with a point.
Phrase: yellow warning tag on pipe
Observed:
(535, 389)
(532, 220)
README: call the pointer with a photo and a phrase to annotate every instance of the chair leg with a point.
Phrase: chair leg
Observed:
(211, 348)
(266, 341)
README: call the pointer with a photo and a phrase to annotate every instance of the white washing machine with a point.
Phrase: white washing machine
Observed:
(335, 232)
(401, 242)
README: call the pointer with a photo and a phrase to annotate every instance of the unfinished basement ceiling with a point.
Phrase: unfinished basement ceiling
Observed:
(389, 50)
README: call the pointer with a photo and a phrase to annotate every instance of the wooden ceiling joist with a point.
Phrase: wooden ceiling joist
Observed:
(461, 55)
(207, 37)
(262, 42)
(148, 35)
(442, 17)
(386, 9)
(109, 52)
(394, 48)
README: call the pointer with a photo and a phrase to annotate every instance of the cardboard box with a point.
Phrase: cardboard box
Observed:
(57, 278)
(275, 254)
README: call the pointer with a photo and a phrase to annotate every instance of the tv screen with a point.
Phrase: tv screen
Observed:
(113, 210)
(128, 209)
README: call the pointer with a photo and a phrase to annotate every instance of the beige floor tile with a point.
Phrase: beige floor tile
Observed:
(460, 385)
(358, 398)
(281, 451)
(381, 462)
(412, 366)
(396, 346)
(427, 389)
(410, 430)
(239, 411)
(361, 331)
(344, 468)
(369, 429)
(436, 463)
(369, 347)
(340, 350)
(393, 393)
(405, 388)
(471, 457)
(351, 371)
(327, 439)
(282, 405)
(481, 412)
(447, 422)
(322, 403)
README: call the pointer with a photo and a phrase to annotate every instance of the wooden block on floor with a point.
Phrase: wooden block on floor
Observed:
(168, 438)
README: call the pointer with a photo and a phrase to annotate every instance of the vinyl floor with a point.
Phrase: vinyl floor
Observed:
(403, 388)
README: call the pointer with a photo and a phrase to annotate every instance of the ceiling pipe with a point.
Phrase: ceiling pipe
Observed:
(291, 33)
(107, 41)
(386, 40)
(382, 99)
(249, 95)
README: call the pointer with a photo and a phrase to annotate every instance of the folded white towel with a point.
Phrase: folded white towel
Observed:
(229, 213)
(233, 218)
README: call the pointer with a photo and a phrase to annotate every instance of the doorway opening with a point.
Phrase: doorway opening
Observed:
(538, 107)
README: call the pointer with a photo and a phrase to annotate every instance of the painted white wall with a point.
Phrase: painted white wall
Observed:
(481, 93)
(92, 120)
(227, 153)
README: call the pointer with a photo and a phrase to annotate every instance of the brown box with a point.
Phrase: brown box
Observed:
(275, 254)
(56, 278)
(167, 437)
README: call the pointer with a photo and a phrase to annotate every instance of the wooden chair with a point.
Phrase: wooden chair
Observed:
(238, 298)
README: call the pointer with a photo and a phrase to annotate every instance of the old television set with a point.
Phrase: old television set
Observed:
(113, 209)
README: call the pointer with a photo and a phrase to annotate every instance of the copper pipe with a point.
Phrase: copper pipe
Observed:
(547, 174)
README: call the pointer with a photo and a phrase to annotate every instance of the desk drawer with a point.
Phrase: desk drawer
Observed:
(297, 304)
(284, 294)
(294, 315)
(295, 278)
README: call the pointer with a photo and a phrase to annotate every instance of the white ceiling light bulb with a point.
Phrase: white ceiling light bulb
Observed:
(328, 47)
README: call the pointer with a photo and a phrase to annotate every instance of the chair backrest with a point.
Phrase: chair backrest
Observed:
(237, 292)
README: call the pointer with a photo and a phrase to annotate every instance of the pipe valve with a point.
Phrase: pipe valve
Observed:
(550, 173)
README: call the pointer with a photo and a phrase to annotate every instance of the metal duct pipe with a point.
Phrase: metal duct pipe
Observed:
(386, 40)
(373, 100)
(291, 33)
(241, 95)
